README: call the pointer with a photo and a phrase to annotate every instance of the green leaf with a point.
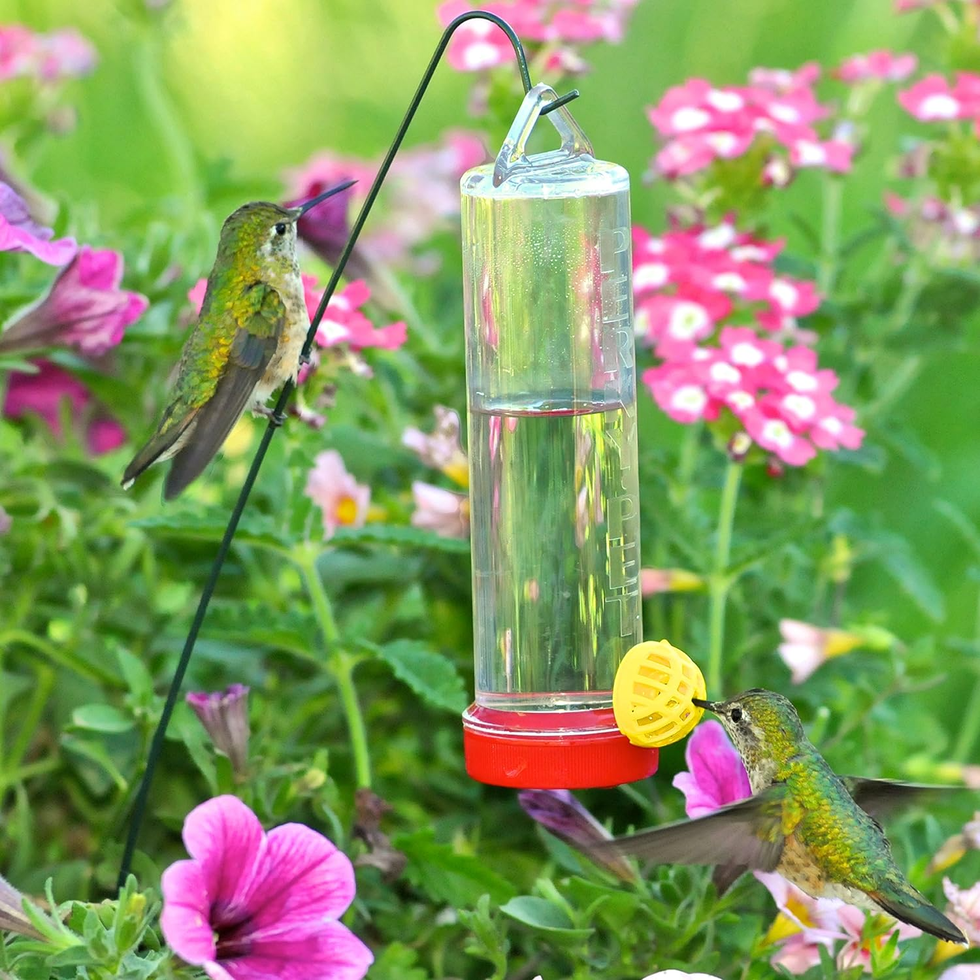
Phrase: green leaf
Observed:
(256, 625)
(254, 529)
(429, 674)
(398, 962)
(137, 677)
(962, 523)
(539, 913)
(445, 876)
(902, 563)
(101, 718)
(399, 534)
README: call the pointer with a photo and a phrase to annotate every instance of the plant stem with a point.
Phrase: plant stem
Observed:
(833, 191)
(970, 720)
(719, 582)
(341, 665)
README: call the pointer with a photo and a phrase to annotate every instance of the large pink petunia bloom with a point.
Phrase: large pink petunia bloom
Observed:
(19, 233)
(250, 904)
(715, 776)
(44, 393)
(85, 308)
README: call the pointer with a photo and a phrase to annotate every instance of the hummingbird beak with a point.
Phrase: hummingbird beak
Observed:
(709, 705)
(320, 198)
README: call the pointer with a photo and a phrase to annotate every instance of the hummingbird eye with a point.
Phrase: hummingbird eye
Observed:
(736, 715)
(281, 228)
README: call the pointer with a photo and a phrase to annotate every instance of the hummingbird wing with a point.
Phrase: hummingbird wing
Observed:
(744, 835)
(879, 798)
(252, 347)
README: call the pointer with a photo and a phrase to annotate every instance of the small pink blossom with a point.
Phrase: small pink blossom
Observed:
(933, 100)
(785, 80)
(85, 308)
(441, 449)
(904, 6)
(46, 57)
(44, 394)
(342, 500)
(882, 65)
(715, 776)
(654, 581)
(250, 904)
(964, 908)
(19, 233)
(443, 511)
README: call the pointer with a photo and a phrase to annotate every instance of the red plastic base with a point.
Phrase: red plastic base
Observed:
(551, 749)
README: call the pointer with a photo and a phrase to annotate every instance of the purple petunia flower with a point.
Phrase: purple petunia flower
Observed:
(20, 233)
(85, 308)
(558, 811)
(251, 904)
(716, 776)
(224, 714)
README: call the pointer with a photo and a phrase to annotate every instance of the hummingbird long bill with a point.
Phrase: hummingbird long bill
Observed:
(818, 830)
(245, 344)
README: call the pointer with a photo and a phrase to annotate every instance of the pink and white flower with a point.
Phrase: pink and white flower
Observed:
(441, 449)
(47, 57)
(932, 99)
(881, 65)
(445, 512)
(343, 501)
(250, 904)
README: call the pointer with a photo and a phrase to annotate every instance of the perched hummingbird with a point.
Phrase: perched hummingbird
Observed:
(245, 344)
(819, 831)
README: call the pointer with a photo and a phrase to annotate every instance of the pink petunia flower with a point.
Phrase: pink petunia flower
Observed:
(19, 233)
(806, 647)
(421, 197)
(342, 500)
(715, 776)
(46, 57)
(224, 715)
(250, 904)
(85, 308)
(654, 581)
(443, 511)
(44, 393)
(882, 65)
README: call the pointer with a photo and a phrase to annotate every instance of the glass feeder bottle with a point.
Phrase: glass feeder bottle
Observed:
(554, 502)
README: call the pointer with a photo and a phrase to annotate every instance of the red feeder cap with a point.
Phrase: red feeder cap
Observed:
(551, 749)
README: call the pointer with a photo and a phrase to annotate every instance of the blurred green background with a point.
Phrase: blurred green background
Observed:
(259, 85)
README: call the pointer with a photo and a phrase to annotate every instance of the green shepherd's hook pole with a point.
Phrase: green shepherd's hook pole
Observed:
(277, 418)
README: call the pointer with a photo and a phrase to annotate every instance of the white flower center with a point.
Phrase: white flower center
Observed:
(725, 373)
(686, 320)
(689, 398)
(784, 113)
(746, 354)
(939, 106)
(730, 282)
(800, 405)
(650, 275)
(688, 118)
(784, 293)
(480, 54)
(725, 101)
(810, 154)
(802, 381)
(740, 401)
(777, 431)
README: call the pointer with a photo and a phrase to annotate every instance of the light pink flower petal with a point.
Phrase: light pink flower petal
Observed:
(303, 879)
(334, 953)
(184, 919)
(227, 839)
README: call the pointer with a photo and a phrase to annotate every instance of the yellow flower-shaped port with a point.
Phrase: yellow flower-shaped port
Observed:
(652, 694)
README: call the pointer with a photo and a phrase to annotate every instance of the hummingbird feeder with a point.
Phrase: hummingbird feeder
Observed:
(567, 695)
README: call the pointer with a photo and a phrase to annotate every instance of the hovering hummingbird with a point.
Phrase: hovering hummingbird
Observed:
(819, 831)
(245, 344)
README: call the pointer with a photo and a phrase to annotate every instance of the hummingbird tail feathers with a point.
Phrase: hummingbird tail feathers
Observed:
(916, 911)
(162, 446)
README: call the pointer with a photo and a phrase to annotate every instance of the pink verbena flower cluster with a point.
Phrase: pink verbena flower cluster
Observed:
(933, 99)
(700, 284)
(880, 65)
(553, 30)
(703, 123)
(47, 57)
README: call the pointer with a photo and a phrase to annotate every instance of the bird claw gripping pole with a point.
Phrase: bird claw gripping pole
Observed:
(278, 413)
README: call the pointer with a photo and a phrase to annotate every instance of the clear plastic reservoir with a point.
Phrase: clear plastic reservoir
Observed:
(554, 500)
